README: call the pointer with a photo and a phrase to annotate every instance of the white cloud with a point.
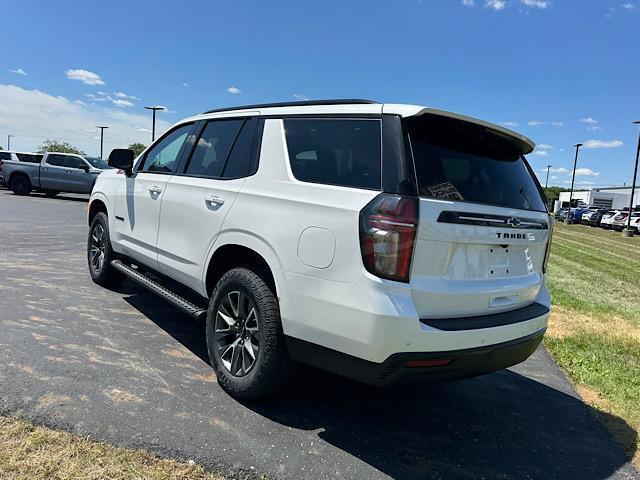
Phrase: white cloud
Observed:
(628, 6)
(143, 130)
(510, 124)
(557, 124)
(80, 102)
(18, 71)
(468, 3)
(184, 84)
(85, 76)
(495, 4)
(123, 95)
(34, 116)
(589, 120)
(535, 123)
(234, 90)
(544, 146)
(554, 177)
(542, 4)
(541, 153)
(559, 170)
(299, 96)
(602, 144)
(585, 182)
(586, 172)
(121, 102)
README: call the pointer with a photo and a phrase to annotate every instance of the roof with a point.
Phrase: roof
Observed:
(301, 103)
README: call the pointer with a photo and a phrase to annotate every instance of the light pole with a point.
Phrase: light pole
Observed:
(569, 220)
(153, 125)
(546, 182)
(9, 141)
(628, 232)
(101, 138)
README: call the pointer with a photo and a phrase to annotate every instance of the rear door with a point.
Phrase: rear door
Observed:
(483, 227)
(138, 200)
(53, 172)
(202, 195)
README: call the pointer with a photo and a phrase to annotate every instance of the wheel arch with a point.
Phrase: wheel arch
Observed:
(96, 205)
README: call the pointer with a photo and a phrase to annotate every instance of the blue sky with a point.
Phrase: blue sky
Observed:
(558, 71)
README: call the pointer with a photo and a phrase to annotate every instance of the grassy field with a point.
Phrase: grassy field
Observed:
(29, 452)
(594, 329)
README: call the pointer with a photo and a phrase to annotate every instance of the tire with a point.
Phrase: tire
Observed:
(51, 193)
(242, 297)
(20, 184)
(100, 254)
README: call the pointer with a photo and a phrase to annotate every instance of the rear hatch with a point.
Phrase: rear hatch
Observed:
(483, 230)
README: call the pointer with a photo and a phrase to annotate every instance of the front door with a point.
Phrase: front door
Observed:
(138, 199)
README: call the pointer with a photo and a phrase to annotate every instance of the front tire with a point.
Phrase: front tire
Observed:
(20, 185)
(100, 254)
(244, 337)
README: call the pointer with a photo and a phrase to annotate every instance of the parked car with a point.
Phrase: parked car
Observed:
(620, 221)
(52, 173)
(607, 219)
(635, 223)
(314, 234)
(596, 217)
(576, 213)
(561, 214)
(10, 156)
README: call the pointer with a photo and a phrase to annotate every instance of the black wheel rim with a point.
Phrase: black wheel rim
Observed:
(237, 335)
(96, 250)
(19, 184)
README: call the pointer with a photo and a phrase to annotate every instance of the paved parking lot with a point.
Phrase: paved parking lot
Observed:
(124, 367)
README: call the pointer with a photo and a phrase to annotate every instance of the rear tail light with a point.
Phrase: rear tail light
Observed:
(547, 251)
(1, 164)
(388, 226)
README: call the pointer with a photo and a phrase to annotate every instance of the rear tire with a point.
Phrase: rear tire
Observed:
(100, 254)
(244, 337)
(20, 184)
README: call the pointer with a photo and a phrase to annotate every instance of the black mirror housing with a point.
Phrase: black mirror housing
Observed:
(121, 158)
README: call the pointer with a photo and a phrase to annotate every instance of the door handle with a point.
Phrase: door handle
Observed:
(213, 200)
(155, 189)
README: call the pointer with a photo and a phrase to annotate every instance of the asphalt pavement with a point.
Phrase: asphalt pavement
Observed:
(126, 368)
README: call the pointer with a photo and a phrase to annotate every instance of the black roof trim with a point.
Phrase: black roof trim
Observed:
(337, 101)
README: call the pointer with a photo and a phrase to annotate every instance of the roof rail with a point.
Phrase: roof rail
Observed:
(337, 101)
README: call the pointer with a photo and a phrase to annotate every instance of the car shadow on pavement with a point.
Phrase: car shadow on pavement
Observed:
(502, 425)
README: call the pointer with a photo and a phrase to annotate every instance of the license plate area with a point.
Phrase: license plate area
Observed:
(499, 262)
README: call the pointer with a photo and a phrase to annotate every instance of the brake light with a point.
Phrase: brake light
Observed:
(388, 226)
(547, 251)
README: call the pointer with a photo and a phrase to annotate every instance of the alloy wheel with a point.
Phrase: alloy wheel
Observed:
(237, 333)
(97, 248)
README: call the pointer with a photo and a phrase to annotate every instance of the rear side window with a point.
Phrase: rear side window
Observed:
(334, 151)
(460, 161)
(5, 156)
(213, 147)
(29, 157)
(57, 160)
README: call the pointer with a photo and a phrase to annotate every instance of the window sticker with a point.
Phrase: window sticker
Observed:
(445, 190)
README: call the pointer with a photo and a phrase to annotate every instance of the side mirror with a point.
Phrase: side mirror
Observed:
(121, 158)
(85, 168)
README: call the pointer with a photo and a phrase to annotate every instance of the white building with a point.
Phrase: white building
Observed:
(612, 197)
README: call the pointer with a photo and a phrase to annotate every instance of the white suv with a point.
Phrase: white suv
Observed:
(381, 242)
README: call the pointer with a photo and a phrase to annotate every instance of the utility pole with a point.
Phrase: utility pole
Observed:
(628, 232)
(153, 125)
(9, 141)
(546, 182)
(101, 138)
(569, 220)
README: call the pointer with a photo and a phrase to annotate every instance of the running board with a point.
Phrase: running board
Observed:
(185, 305)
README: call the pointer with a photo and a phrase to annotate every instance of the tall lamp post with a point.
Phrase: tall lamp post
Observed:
(101, 138)
(153, 125)
(569, 220)
(9, 141)
(628, 232)
(546, 182)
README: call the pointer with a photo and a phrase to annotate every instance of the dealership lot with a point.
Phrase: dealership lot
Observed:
(126, 368)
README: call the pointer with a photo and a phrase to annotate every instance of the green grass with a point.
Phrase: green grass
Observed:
(594, 331)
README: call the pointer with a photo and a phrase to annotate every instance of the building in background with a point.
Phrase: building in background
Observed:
(611, 197)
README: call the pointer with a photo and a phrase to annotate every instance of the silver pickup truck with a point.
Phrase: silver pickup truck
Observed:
(50, 173)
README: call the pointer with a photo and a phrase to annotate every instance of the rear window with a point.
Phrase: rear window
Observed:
(29, 157)
(460, 161)
(335, 151)
(5, 156)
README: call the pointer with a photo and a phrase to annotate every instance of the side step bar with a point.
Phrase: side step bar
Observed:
(185, 305)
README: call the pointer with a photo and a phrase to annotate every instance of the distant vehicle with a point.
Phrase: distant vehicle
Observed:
(11, 156)
(607, 219)
(620, 224)
(596, 217)
(586, 216)
(51, 173)
(576, 214)
(561, 214)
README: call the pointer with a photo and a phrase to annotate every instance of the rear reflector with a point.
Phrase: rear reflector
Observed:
(434, 362)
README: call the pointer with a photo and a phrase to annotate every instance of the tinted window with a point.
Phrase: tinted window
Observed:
(213, 147)
(5, 156)
(459, 161)
(75, 162)
(335, 151)
(239, 161)
(29, 157)
(56, 160)
(163, 156)
(97, 162)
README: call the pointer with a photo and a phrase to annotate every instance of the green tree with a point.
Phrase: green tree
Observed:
(57, 146)
(553, 193)
(137, 148)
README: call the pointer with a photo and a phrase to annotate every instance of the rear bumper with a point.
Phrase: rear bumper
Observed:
(453, 365)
